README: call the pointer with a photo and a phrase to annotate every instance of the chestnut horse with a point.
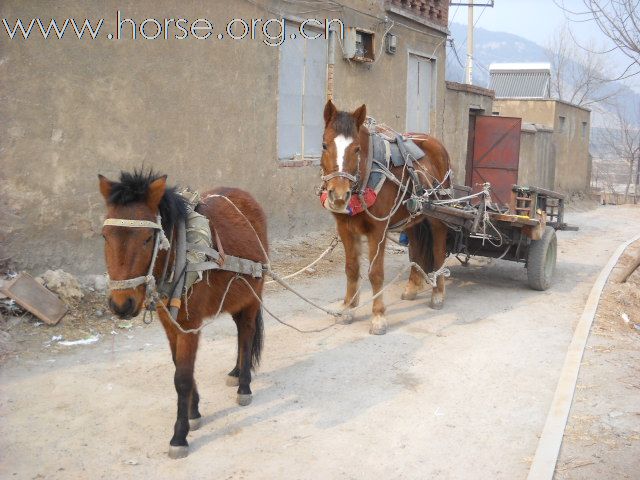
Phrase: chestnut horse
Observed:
(344, 157)
(128, 252)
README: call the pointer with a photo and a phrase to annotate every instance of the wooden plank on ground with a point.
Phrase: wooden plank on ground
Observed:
(35, 298)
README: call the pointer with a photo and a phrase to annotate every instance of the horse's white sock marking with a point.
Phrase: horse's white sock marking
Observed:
(342, 143)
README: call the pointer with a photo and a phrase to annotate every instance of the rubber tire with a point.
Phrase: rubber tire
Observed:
(541, 260)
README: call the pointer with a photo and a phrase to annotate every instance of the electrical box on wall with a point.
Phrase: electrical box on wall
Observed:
(358, 45)
(391, 43)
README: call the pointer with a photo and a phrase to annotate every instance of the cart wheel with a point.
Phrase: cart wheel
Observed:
(541, 261)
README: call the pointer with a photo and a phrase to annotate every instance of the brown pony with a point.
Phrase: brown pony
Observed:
(128, 254)
(345, 153)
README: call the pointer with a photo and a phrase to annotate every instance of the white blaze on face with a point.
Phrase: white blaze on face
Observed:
(342, 143)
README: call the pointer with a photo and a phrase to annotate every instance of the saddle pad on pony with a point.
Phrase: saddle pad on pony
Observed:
(386, 150)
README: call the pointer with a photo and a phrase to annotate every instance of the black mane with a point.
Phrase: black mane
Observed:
(134, 188)
(345, 124)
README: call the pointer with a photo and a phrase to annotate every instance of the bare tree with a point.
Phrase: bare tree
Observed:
(618, 20)
(578, 75)
(606, 174)
(622, 139)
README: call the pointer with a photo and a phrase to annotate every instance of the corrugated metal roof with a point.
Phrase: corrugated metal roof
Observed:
(525, 81)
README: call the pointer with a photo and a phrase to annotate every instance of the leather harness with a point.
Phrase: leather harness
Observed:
(397, 150)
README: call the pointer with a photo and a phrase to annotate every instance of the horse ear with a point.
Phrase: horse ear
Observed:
(360, 115)
(329, 112)
(156, 191)
(105, 187)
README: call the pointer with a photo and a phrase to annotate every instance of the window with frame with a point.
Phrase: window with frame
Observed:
(562, 123)
(302, 81)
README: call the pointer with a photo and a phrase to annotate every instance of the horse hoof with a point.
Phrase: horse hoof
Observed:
(232, 381)
(244, 399)
(378, 325)
(195, 423)
(344, 319)
(409, 295)
(437, 304)
(176, 452)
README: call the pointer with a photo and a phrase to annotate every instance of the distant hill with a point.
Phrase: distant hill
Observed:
(489, 47)
(500, 47)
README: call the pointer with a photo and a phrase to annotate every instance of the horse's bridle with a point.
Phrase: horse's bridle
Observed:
(353, 179)
(160, 243)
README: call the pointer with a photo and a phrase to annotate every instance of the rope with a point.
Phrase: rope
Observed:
(431, 278)
(197, 330)
(271, 273)
(334, 243)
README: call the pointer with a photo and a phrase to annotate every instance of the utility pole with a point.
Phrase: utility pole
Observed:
(470, 5)
(469, 68)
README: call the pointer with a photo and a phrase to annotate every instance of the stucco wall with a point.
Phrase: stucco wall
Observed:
(573, 172)
(531, 111)
(203, 112)
(460, 101)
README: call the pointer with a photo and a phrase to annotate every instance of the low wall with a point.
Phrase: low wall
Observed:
(537, 156)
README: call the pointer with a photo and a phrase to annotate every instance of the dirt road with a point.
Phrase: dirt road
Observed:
(457, 393)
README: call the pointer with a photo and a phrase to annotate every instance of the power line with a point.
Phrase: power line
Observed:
(453, 16)
(474, 26)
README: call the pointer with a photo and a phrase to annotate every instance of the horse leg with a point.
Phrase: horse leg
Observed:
(232, 376)
(377, 241)
(416, 280)
(186, 348)
(247, 336)
(351, 244)
(439, 231)
(195, 419)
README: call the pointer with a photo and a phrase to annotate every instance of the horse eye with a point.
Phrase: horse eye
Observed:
(357, 149)
(146, 242)
(324, 146)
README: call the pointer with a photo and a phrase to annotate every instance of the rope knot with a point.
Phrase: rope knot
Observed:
(432, 277)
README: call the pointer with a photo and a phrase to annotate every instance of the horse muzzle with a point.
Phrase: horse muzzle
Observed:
(125, 309)
(338, 201)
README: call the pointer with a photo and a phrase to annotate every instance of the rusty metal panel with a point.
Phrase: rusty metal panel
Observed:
(496, 155)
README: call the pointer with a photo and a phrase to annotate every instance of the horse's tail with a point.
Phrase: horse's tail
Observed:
(423, 247)
(258, 340)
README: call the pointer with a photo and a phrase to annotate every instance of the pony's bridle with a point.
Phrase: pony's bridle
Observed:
(354, 179)
(160, 243)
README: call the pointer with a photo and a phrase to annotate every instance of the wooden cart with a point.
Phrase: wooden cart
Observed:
(524, 232)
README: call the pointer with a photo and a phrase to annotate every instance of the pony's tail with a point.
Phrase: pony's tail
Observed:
(258, 340)
(423, 248)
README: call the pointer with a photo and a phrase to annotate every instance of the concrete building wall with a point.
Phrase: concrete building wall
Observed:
(571, 138)
(461, 101)
(204, 112)
(531, 111)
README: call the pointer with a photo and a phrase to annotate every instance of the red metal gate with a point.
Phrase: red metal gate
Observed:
(496, 155)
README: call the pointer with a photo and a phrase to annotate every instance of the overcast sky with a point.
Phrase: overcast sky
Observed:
(536, 20)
